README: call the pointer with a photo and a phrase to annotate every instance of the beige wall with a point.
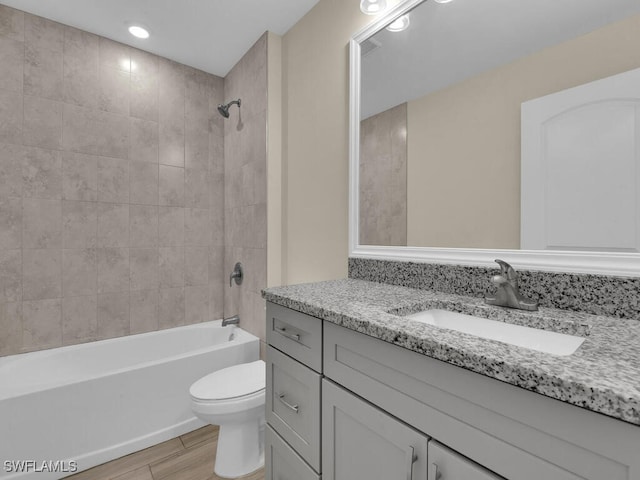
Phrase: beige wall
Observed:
(470, 133)
(315, 141)
(110, 188)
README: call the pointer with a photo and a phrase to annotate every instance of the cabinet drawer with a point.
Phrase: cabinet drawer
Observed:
(282, 462)
(293, 404)
(445, 464)
(296, 334)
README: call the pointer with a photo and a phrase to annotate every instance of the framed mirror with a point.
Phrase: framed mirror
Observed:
(463, 147)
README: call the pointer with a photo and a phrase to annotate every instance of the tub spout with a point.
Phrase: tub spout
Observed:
(235, 320)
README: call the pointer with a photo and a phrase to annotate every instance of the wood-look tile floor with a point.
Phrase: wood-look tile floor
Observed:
(188, 457)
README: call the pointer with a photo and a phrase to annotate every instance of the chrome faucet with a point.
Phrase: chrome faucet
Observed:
(235, 320)
(508, 294)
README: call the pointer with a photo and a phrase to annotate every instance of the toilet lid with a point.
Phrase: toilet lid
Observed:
(231, 382)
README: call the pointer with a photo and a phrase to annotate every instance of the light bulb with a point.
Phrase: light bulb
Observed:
(138, 31)
(372, 7)
(399, 24)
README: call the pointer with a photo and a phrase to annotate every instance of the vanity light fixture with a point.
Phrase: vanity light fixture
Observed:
(399, 24)
(443, 1)
(138, 31)
(372, 7)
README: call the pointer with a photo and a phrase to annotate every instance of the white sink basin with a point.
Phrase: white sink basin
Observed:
(533, 338)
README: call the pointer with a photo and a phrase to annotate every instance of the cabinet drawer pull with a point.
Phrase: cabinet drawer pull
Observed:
(287, 404)
(410, 458)
(283, 331)
(434, 474)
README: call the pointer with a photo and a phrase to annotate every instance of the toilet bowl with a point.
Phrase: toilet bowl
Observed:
(234, 399)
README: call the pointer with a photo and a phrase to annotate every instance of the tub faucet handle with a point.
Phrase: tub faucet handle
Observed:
(237, 275)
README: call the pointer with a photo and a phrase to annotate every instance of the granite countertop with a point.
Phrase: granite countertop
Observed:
(603, 375)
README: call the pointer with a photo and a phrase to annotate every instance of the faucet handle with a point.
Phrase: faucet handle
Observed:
(507, 271)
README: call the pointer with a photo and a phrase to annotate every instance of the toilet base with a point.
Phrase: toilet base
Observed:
(240, 449)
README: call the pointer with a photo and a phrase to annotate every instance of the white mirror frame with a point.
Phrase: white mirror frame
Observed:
(599, 263)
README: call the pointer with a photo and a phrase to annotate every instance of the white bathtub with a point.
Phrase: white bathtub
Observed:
(86, 404)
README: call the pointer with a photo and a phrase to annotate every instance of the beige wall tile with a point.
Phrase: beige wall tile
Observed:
(11, 23)
(197, 232)
(196, 185)
(42, 122)
(144, 141)
(171, 264)
(79, 272)
(144, 311)
(41, 274)
(171, 226)
(196, 304)
(113, 225)
(143, 225)
(144, 93)
(79, 224)
(43, 71)
(11, 170)
(95, 201)
(171, 190)
(41, 223)
(113, 180)
(10, 323)
(43, 33)
(196, 270)
(10, 223)
(79, 319)
(113, 270)
(113, 93)
(10, 276)
(79, 177)
(42, 173)
(80, 59)
(42, 324)
(171, 307)
(12, 60)
(143, 267)
(143, 183)
(113, 315)
(12, 114)
(114, 55)
(95, 132)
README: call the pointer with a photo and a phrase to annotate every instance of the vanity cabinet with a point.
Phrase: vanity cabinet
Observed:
(376, 410)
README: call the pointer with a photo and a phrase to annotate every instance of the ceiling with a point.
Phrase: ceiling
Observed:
(211, 35)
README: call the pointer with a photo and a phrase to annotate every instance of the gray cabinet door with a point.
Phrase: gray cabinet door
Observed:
(445, 464)
(282, 462)
(359, 441)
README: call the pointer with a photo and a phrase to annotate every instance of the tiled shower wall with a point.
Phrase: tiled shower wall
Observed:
(245, 154)
(111, 188)
(383, 178)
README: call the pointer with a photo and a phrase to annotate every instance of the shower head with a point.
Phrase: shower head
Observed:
(224, 109)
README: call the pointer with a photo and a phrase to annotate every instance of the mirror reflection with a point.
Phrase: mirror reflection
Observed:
(477, 105)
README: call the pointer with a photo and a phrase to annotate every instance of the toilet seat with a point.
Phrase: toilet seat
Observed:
(231, 383)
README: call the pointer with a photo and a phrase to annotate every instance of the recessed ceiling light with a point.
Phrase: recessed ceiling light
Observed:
(372, 7)
(138, 31)
(399, 24)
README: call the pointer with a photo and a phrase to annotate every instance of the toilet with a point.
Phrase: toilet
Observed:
(234, 399)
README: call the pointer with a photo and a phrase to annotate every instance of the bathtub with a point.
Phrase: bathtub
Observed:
(75, 407)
